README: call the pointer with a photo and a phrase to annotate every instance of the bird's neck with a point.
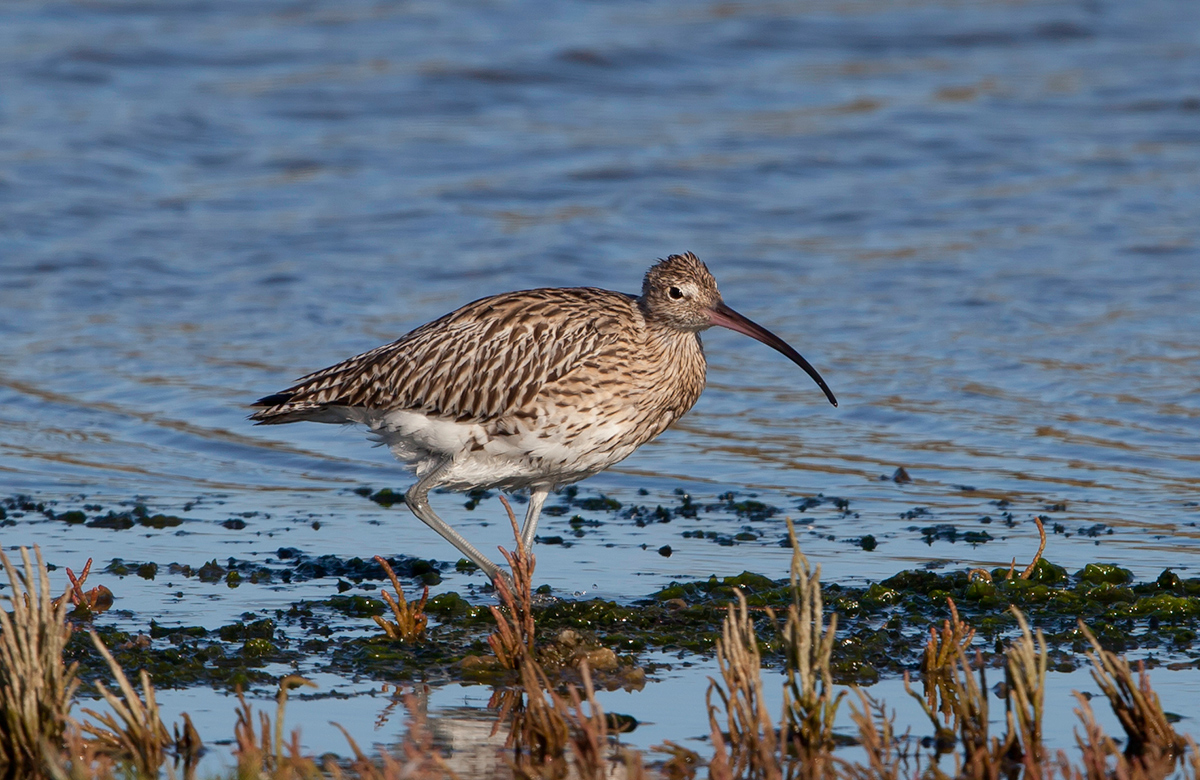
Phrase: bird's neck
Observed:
(678, 360)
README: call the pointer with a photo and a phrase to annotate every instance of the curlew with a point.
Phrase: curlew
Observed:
(529, 390)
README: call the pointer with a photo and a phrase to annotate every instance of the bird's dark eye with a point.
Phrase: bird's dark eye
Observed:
(675, 293)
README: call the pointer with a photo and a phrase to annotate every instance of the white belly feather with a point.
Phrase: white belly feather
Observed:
(544, 452)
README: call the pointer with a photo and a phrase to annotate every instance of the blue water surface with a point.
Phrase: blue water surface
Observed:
(980, 221)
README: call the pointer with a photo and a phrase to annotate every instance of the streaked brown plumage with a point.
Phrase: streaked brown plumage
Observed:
(529, 390)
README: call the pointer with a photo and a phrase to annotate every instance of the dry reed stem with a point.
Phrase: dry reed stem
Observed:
(1096, 747)
(1032, 567)
(36, 688)
(752, 746)
(1101, 758)
(808, 701)
(79, 759)
(1026, 683)
(718, 766)
(411, 620)
(589, 732)
(941, 649)
(261, 755)
(940, 661)
(513, 638)
(134, 730)
(1193, 757)
(966, 700)
(951, 690)
(886, 758)
(752, 749)
(281, 697)
(188, 746)
(1192, 760)
(419, 758)
(682, 764)
(251, 753)
(1028, 571)
(1150, 735)
(972, 711)
(98, 599)
(552, 723)
(540, 732)
(77, 595)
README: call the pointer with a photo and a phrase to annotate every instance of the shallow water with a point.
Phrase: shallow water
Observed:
(980, 223)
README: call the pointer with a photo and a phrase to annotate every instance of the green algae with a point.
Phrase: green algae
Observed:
(1162, 615)
(599, 504)
(385, 498)
(451, 605)
(882, 625)
(356, 606)
(179, 659)
(253, 649)
(160, 521)
(258, 629)
(1104, 573)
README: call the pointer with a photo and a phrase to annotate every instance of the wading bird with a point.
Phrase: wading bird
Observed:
(529, 390)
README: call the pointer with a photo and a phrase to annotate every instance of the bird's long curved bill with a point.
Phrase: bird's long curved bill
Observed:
(728, 318)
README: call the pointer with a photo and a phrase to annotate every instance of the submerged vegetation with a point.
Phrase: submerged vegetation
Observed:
(546, 656)
(882, 629)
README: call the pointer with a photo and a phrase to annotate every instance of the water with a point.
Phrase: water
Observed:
(979, 221)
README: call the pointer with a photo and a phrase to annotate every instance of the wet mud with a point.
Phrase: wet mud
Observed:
(882, 626)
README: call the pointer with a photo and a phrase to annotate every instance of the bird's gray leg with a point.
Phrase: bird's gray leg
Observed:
(417, 501)
(537, 497)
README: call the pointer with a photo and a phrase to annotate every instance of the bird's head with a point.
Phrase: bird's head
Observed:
(682, 294)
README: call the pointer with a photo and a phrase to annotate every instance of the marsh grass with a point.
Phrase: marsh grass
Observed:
(37, 689)
(262, 752)
(939, 663)
(1026, 573)
(1150, 739)
(942, 646)
(808, 698)
(419, 757)
(410, 619)
(89, 603)
(887, 755)
(563, 733)
(559, 732)
(747, 741)
(1025, 667)
(551, 734)
(513, 639)
(134, 731)
(955, 688)
(961, 693)
(1102, 759)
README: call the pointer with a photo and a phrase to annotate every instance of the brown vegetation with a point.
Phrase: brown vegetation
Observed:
(36, 687)
(558, 731)
(410, 622)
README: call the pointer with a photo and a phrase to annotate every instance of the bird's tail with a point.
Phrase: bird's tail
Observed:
(284, 407)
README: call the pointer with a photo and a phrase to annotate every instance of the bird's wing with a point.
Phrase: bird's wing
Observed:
(483, 361)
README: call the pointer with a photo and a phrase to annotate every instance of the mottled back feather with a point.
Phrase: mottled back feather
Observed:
(481, 362)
